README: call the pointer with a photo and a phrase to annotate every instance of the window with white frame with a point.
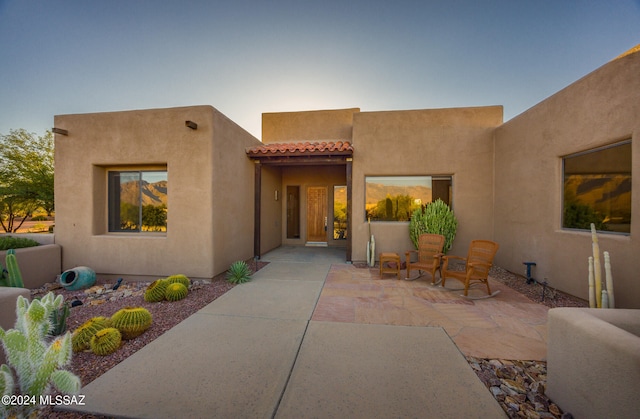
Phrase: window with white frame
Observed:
(597, 189)
(137, 201)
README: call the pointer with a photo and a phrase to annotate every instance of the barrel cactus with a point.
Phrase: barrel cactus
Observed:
(155, 291)
(131, 321)
(81, 338)
(176, 291)
(106, 341)
(183, 279)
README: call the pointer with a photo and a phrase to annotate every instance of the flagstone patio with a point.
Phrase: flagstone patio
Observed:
(507, 326)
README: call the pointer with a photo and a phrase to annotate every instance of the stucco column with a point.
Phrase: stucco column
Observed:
(349, 207)
(256, 222)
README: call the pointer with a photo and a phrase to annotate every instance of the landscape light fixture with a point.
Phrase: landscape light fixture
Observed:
(60, 131)
(191, 124)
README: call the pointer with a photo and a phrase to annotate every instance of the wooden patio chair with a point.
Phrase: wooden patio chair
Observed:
(477, 264)
(429, 255)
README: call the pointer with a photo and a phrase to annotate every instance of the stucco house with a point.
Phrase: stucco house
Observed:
(208, 193)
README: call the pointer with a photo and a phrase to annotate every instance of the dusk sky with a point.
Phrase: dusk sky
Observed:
(249, 57)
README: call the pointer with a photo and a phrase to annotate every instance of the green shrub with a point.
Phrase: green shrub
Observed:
(11, 242)
(435, 218)
(39, 218)
(239, 273)
(581, 216)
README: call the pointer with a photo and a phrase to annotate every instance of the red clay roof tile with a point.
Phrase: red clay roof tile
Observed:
(307, 147)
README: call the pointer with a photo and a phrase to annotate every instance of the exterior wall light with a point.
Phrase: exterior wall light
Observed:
(191, 124)
(60, 131)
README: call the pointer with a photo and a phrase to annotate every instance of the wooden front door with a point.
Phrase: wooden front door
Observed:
(317, 214)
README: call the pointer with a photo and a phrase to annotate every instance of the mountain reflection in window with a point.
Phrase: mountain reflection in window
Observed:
(138, 201)
(597, 189)
(394, 198)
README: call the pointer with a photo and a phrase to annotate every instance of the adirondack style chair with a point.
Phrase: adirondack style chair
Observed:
(429, 254)
(477, 264)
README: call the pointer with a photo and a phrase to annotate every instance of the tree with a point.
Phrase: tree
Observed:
(26, 176)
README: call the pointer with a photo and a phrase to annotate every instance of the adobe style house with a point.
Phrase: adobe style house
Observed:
(185, 190)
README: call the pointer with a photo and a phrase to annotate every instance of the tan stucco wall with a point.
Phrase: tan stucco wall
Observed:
(233, 193)
(210, 215)
(282, 127)
(456, 142)
(600, 109)
(271, 227)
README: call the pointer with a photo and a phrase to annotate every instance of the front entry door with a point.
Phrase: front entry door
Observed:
(317, 214)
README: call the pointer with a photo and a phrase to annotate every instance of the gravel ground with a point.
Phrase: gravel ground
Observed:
(101, 300)
(517, 385)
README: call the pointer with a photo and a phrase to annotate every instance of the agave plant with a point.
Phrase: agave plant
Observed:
(239, 273)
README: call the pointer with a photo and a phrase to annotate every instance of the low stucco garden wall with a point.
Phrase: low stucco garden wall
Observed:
(593, 361)
(38, 265)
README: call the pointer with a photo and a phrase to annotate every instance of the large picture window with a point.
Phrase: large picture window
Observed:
(597, 189)
(138, 201)
(394, 198)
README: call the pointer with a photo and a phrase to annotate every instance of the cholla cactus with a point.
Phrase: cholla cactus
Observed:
(37, 364)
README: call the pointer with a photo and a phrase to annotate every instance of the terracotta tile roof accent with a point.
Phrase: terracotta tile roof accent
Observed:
(307, 148)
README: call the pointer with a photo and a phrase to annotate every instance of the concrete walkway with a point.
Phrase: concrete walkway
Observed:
(256, 353)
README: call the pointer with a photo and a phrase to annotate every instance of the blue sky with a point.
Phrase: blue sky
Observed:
(250, 57)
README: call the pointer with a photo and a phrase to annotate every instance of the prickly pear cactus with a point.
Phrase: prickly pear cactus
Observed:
(37, 362)
(176, 291)
(155, 291)
(81, 338)
(131, 321)
(183, 279)
(106, 341)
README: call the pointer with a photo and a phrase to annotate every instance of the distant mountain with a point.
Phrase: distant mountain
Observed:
(607, 194)
(377, 192)
(152, 193)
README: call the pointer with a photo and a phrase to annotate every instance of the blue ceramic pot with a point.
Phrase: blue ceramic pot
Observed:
(78, 278)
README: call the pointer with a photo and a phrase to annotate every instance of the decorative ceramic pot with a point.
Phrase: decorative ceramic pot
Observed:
(78, 278)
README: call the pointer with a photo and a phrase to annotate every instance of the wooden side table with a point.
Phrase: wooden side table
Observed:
(387, 258)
